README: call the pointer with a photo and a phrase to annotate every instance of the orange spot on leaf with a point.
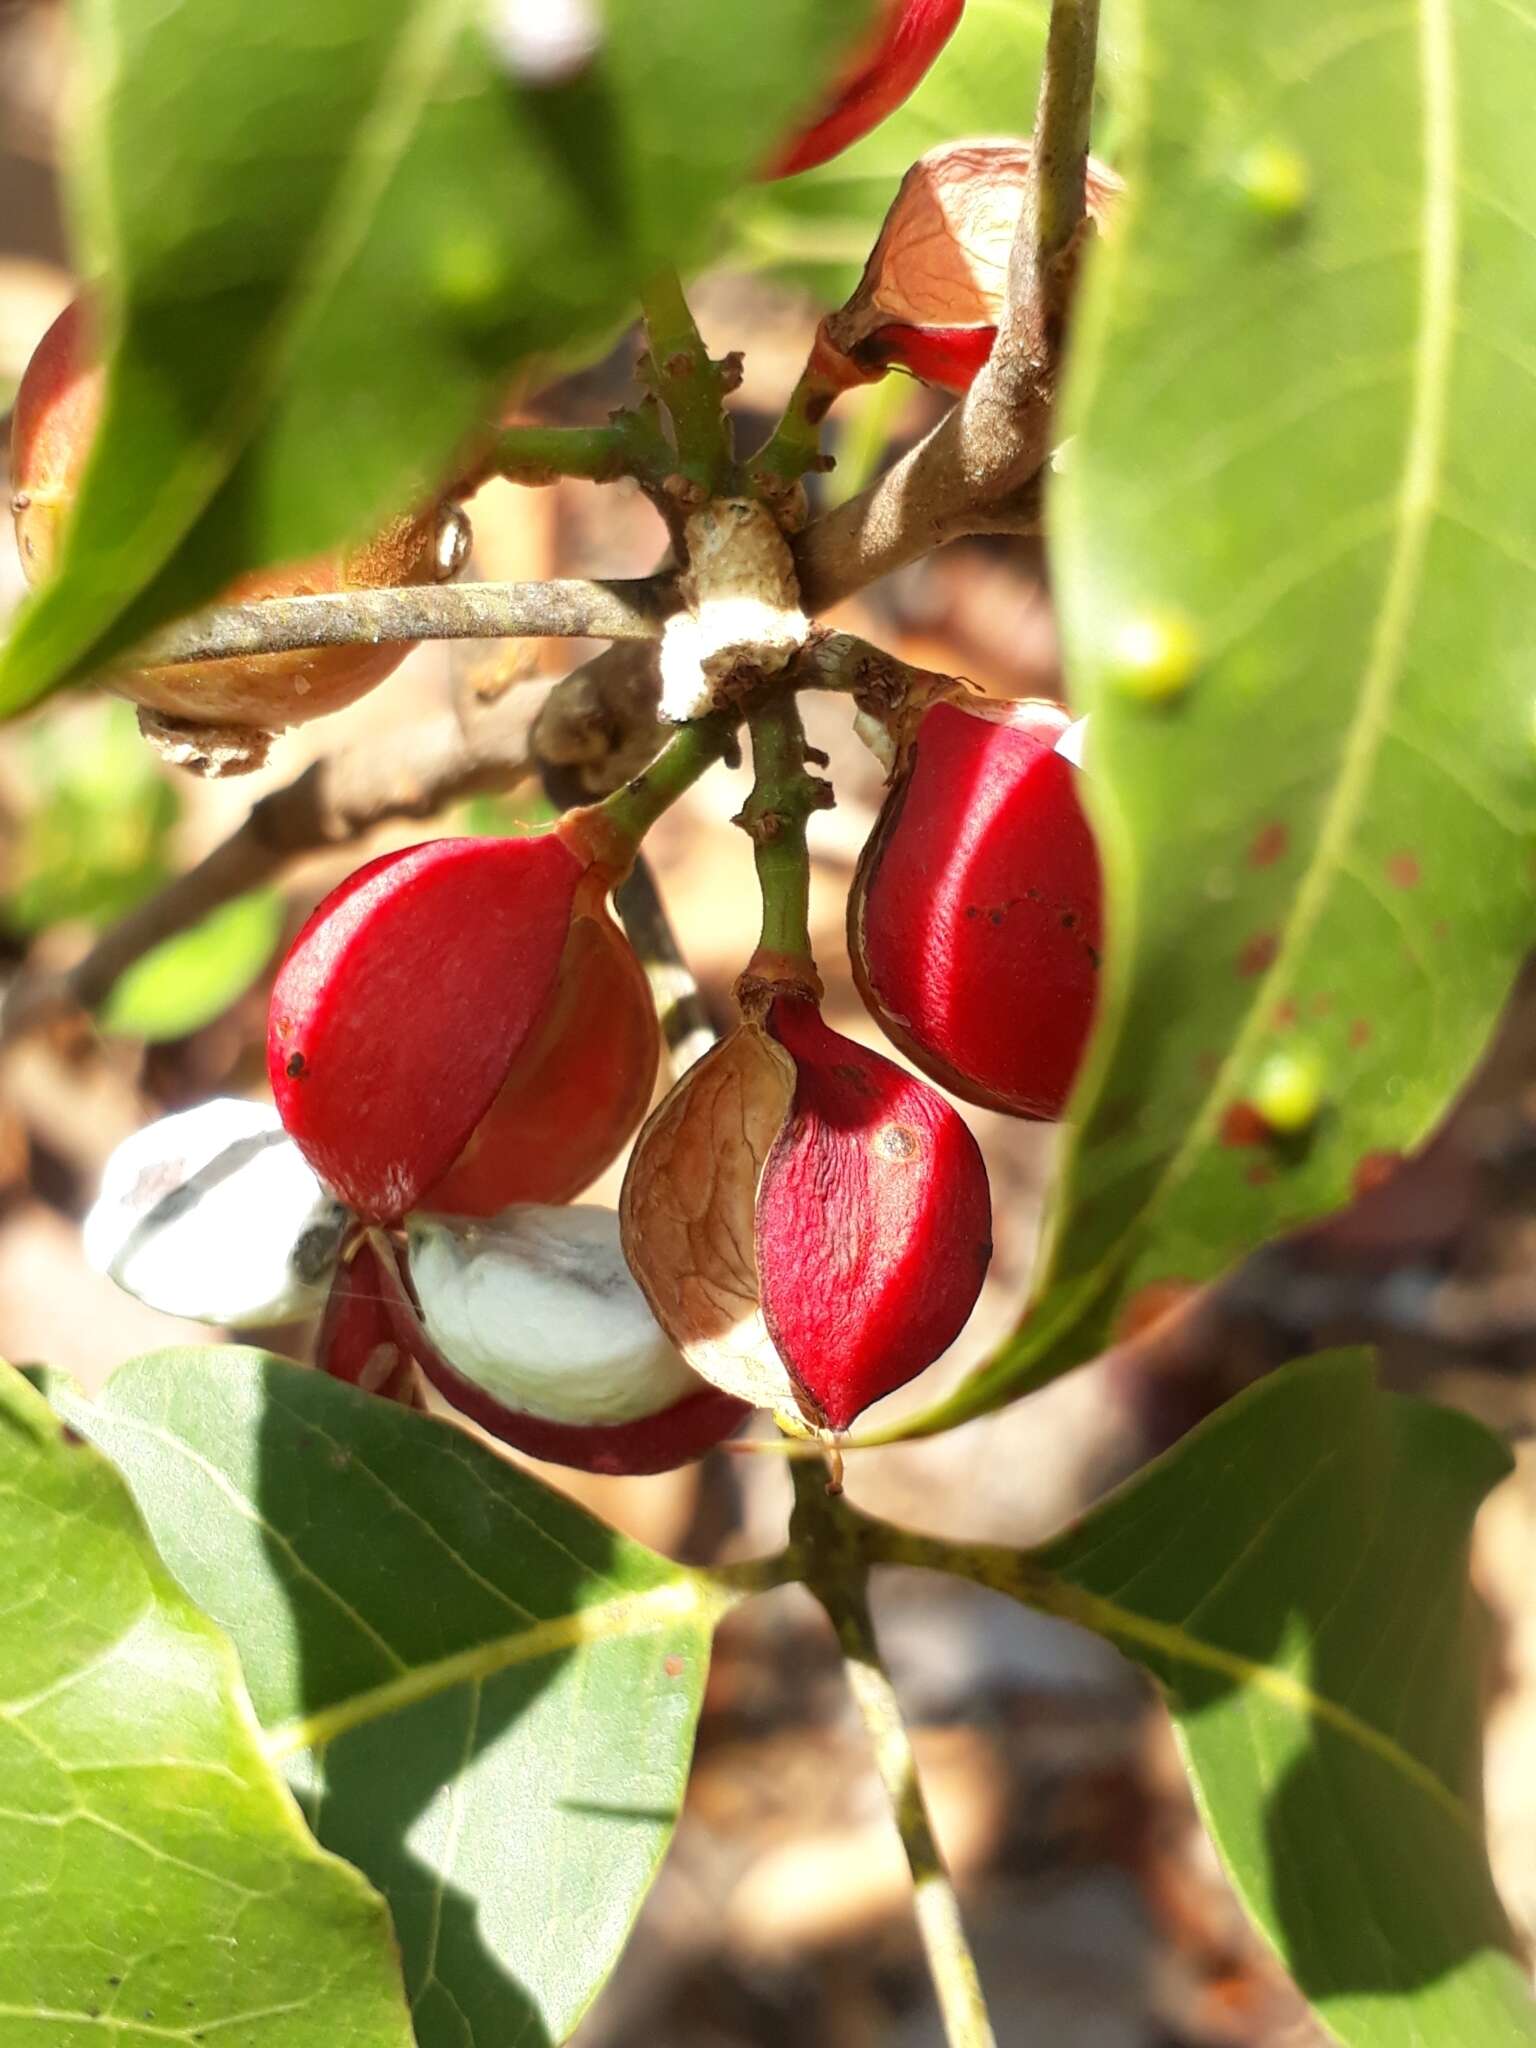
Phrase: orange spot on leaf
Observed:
(1258, 954)
(1360, 1033)
(1374, 1170)
(1242, 1125)
(1404, 872)
(1270, 843)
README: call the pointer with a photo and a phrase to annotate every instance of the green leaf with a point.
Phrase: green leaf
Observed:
(1294, 1575)
(818, 228)
(331, 238)
(95, 836)
(189, 980)
(506, 1691)
(155, 1875)
(1297, 471)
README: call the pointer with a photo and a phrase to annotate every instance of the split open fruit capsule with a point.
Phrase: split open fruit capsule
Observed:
(936, 281)
(810, 1224)
(358, 1341)
(54, 422)
(974, 922)
(906, 37)
(462, 1025)
(530, 1324)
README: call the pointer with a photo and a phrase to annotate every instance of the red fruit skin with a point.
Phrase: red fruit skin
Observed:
(577, 1090)
(949, 357)
(907, 38)
(652, 1443)
(874, 1220)
(975, 919)
(357, 1341)
(403, 1003)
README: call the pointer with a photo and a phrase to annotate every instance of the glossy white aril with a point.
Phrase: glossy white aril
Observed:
(213, 1215)
(537, 1307)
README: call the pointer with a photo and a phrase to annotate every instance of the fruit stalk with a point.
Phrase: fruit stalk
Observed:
(784, 795)
(613, 829)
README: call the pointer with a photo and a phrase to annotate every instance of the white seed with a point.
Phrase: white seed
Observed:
(214, 1215)
(538, 1308)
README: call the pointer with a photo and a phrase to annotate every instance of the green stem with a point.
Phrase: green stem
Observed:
(691, 387)
(623, 819)
(632, 445)
(827, 1546)
(783, 797)
(793, 450)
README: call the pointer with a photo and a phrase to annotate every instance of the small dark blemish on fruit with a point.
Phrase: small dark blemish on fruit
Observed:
(1270, 842)
(295, 1067)
(1069, 920)
(1404, 872)
(971, 911)
(1242, 1125)
(1360, 1033)
(1258, 954)
(995, 917)
(1095, 957)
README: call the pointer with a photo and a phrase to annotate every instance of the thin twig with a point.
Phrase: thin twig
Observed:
(566, 608)
(826, 1547)
(1055, 205)
(989, 448)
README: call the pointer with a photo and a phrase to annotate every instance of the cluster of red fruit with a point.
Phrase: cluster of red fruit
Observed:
(462, 1039)
(461, 1029)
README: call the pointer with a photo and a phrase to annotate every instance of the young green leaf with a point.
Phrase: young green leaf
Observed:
(486, 1698)
(155, 1875)
(188, 981)
(1294, 555)
(1294, 1575)
(329, 245)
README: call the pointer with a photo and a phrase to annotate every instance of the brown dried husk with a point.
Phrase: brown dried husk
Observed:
(687, 1216)
(941, 260)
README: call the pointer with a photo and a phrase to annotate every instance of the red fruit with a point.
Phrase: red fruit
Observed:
(650, 1443)
(810, 1224)
(431, 1002)
(936, 280)
(893, 62)
(357, 1341)
(57, 407)
(974, 923)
